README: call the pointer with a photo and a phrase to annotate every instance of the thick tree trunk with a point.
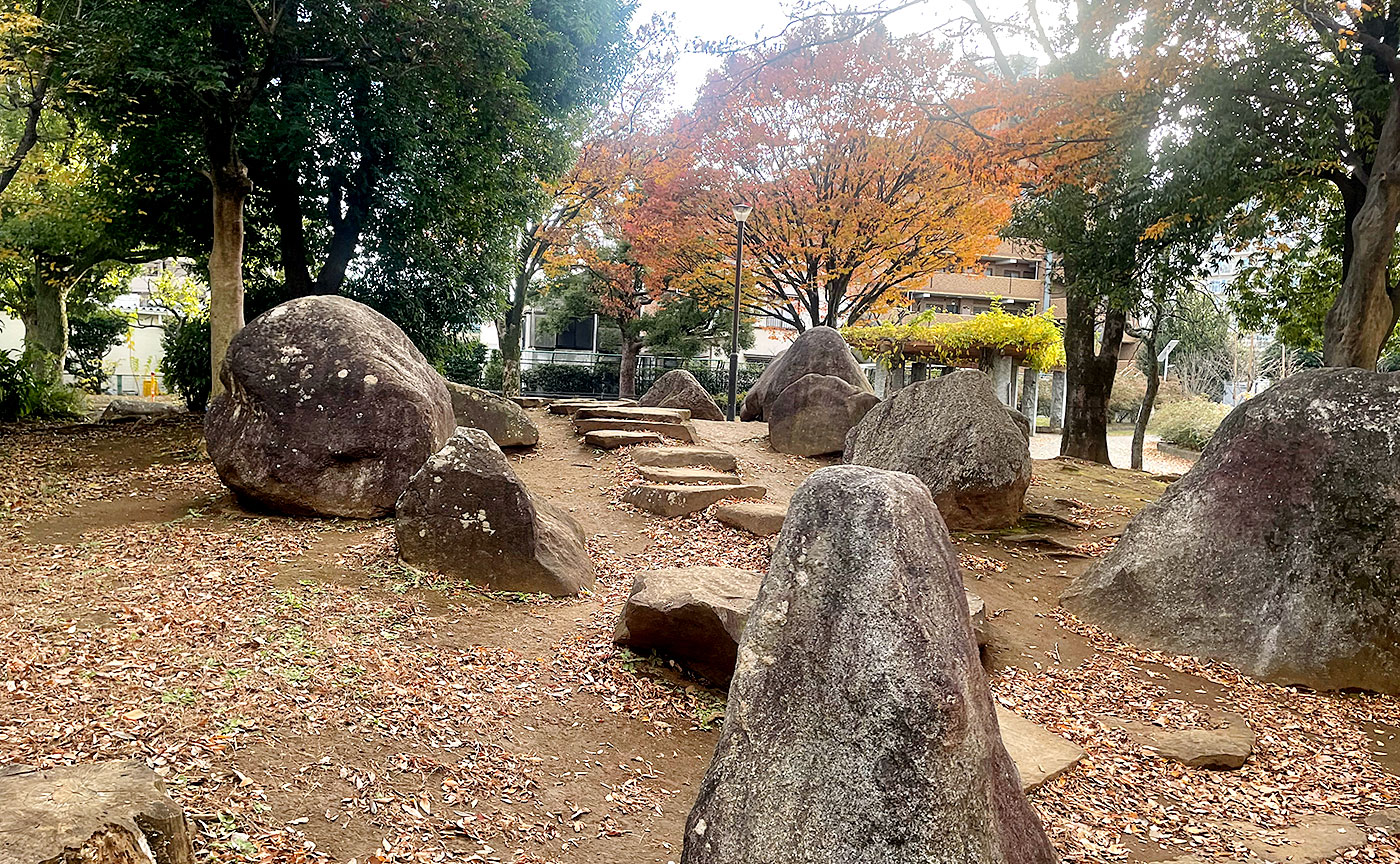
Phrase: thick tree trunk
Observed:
(229, 178)
(512, 335)
(627, 372)
(46, 338)
(1364, 313)
(284, 192)
(1090, 376)
(1149, 400)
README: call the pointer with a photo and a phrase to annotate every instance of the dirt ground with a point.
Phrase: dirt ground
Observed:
(308, 699)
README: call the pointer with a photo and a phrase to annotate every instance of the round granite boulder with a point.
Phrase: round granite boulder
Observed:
(1279, 552)
(327, 408)
(952, 433)
(813, 415)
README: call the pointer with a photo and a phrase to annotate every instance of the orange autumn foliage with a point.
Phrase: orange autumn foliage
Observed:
(860, 188)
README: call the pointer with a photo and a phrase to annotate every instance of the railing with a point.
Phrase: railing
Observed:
(583, 373)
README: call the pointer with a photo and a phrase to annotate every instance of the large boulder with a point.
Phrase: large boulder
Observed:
(1279, 552)
(680, 389)
(502, 419)
(693, 615)
(328, 409)
(467, 515)
(860, 727)
(820, 351)
(952, 433)
(813, 415)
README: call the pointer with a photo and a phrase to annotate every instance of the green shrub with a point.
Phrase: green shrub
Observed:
(22, 396)
(90, 337)
(494, 375)
(185, 365)
(462, 361)
(1188, 424)
(569, 378)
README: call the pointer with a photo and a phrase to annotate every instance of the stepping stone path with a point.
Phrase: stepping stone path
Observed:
(763, 518)
(611, 439)
(685, 475)
(678, 431)
(676, 500)
(1226, 748)
(569, 406)
(1040, 755)
(685, 457)
(104, 812)
(655, 415)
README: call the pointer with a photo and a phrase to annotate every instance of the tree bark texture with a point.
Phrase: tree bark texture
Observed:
(627, 372)
(231, 188)
(1364, 313)
(1089, 375)
(1149, 399)
(46, 338)
(512, 334)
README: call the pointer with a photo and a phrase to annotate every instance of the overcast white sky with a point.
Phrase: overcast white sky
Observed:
(745, 19)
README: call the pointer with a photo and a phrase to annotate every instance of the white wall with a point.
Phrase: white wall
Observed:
(140, 350)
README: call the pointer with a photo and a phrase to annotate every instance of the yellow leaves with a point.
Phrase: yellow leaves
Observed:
(1035, 339)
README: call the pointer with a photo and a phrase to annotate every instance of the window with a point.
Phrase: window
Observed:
(578, 336)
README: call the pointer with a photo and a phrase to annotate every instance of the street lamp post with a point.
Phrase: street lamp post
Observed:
(741, 215)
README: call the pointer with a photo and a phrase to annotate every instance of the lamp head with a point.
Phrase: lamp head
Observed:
(742, 211)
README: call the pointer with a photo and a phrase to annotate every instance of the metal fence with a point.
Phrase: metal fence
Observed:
(583, 373)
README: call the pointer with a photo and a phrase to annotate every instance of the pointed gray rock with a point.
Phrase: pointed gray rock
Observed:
(680, 389)
(467, 515)
(820, 351)
(860, 727)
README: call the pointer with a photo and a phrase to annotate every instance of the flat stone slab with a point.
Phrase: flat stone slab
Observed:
(611, 439)
(678, 431)
(1040, 755)
(685, 475)
(1320, 837)
(530, 401)
(569, 406)
(764, 518)
(693, 615)
(672, 500)
(104, 813)
(1225, 748)
(686, 457)
(659, 415)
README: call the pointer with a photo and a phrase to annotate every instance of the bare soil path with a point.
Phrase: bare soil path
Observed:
(308, 699)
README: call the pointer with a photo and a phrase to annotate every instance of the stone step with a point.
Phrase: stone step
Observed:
(673, 500)
(530, 401)
(611, 439)
(685, 475)
(685, 457)
(569, 406)
(763, 518)
(625, 412)
(679, 431)
(1040, 755)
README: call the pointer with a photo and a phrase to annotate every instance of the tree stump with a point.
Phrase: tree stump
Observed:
(106, 813)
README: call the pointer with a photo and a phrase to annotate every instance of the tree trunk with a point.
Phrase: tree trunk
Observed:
(512, 334)
(1149, 399)
(1364, 313)
(46, 339)
(1090, 376)
(231, 187)
(627, 372)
